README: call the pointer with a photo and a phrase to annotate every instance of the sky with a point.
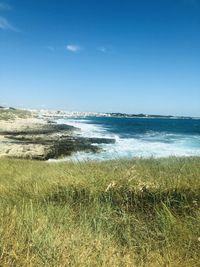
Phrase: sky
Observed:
(132, 56)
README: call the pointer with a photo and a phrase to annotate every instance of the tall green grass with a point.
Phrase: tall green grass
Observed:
(113, 213)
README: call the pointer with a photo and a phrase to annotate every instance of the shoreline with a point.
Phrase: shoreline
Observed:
(39, 138)
(30, 135)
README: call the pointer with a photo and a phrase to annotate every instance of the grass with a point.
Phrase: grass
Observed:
(113, 213)
(11, 114)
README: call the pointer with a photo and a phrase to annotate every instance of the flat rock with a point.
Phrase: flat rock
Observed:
(40, 139)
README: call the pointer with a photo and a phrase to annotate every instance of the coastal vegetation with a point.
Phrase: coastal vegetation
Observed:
(140, 212)
(7, 114)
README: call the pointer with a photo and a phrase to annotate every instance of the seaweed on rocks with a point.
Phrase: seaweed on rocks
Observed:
(45, 141)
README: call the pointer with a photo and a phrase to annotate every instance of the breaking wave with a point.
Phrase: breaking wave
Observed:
(148, 144)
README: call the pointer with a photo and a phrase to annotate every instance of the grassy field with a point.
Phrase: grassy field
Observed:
(115, 213)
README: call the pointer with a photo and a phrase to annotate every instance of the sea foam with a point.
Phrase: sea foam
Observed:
(150, 144)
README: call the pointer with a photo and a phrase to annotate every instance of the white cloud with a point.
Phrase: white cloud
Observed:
(5, 25)
(4, 6)
(73, 48)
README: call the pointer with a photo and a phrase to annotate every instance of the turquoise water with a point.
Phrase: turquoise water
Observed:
(140, 137)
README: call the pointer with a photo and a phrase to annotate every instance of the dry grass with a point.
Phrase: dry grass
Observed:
(11, 114)
(115, 213)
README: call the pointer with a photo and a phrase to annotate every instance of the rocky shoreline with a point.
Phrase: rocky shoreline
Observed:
(42, 139)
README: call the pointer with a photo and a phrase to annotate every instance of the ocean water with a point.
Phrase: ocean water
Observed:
(139, 137)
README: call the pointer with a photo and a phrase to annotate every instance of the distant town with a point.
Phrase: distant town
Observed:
(62, 114)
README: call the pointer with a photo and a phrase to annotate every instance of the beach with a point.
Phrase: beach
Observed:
(41, 138)
(66, 136)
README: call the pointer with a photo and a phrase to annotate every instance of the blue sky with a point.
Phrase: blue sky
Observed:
(111, 55)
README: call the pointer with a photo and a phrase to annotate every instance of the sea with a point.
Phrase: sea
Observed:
(138, 137)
